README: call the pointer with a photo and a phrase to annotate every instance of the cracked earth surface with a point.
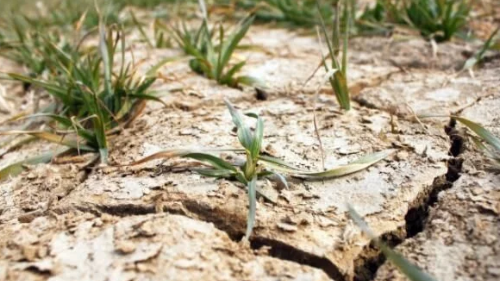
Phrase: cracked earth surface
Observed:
(159, 220)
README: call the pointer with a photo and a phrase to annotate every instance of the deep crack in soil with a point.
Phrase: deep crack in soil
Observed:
(371, 259)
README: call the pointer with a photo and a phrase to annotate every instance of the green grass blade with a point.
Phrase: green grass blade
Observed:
(327, 38)
(244, 134)
(17, 168)
(168, 154)
(219, 66)
(252, 201)
(212, 160)
(215, 173)
(410, 270)
(105, 55)
(353, 167)
(346, 38)
(228, 77)
(141, 30)
(250, 81)
(234, 39)
(478, 57)
(52, 88)
(480, 131)
(258, 137)
(273, 161)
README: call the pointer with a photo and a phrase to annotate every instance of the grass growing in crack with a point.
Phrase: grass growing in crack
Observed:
(92, 100)
(212, 58)
(407, 268)
(338, 80)
(257, 165)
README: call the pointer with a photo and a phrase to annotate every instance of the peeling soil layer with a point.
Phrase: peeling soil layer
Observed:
(433, 198)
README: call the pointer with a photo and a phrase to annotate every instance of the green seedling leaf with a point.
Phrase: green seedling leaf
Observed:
(215, 173)
(17, 168)
(407, 268)
(233, 41)
(244, 134)
(494, 155)
(212, 160)
(138, 25)
(258, 136)
(250, 81)
(273, 161)
(480, 131)
(338, 80)
(52, 88)
(353, 167)
(156, 67)
(174, 153)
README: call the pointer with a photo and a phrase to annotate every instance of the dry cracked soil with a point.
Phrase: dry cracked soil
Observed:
(434, 199)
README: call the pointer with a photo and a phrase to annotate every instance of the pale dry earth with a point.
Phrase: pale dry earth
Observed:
(161, 221)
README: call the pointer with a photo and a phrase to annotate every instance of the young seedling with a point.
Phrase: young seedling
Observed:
(339, 80)
(437, 19)
(211, 58)
(299, 13)
(256, 164)
(93, 101)
(407, 268)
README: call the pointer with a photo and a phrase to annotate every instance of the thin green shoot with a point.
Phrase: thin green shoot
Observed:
(257, 165)
(339, 80)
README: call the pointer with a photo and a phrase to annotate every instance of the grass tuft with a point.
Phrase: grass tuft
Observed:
(211, 51)
(93, 97)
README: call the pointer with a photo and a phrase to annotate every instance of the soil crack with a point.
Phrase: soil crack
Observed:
(232, 225)
(371, 259)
